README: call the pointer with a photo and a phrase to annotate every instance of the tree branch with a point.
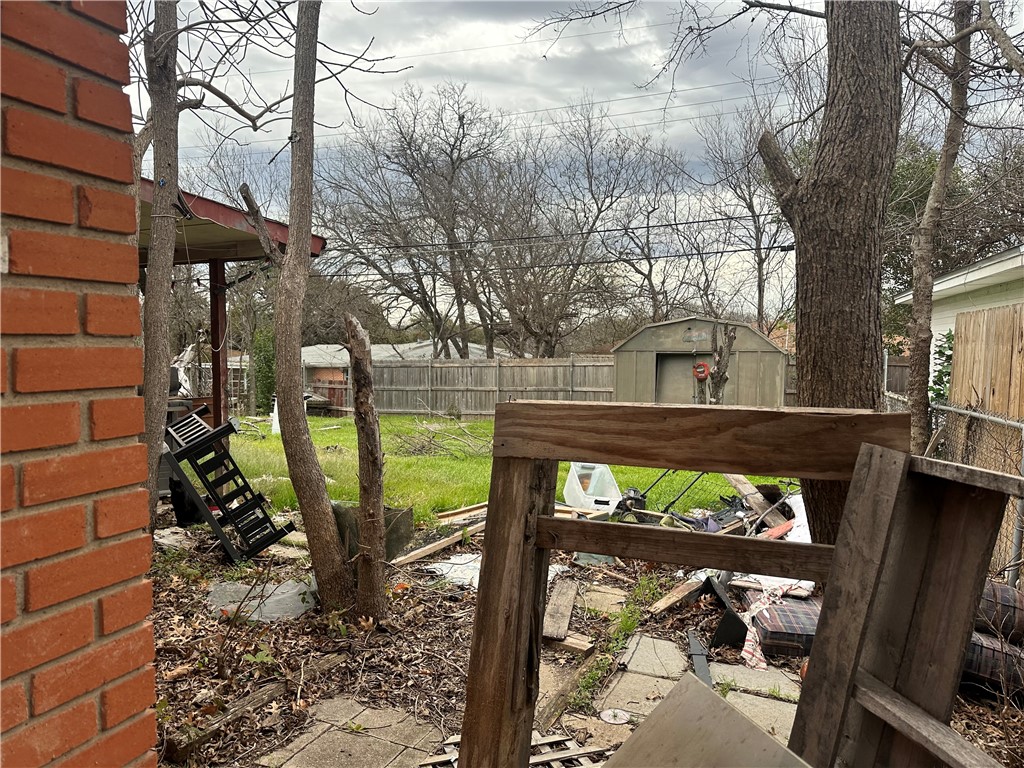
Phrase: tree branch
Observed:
(259, 224)
(780, 174)
(999, 36)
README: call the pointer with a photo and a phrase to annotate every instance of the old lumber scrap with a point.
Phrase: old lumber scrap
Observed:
(757, 502)
(671, 545)
(820, 443)
(437, 546)
(555, 704)
(179, 746)
(574, 642)
(777, 532)
(687, 591)
(454, 514)
(559, 610)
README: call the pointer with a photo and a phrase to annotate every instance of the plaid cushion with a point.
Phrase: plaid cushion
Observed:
(1001, 612)
(994, 663)
(786, 628)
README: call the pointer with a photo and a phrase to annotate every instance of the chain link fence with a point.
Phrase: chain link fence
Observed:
(987, 441)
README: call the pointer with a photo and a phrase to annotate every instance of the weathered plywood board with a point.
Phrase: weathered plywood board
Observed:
(695, 726)
(814, 443)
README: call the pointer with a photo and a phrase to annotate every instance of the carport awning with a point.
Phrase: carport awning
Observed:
(211, 231)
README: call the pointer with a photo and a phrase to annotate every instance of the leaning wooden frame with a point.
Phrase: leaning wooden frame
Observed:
(904, 579)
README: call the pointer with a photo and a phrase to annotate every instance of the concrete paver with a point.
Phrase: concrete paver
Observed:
(653, 656)
(773, 716)
(409, 758)
(635, 693)
(595, 732)
(771, 681)
(396, 726)
(604, 599)
(341, 747)
(337, 711)
(279, 757)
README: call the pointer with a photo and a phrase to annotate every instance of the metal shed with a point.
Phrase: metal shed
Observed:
(655, 364)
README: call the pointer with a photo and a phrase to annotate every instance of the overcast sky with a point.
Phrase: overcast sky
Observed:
(488, 45)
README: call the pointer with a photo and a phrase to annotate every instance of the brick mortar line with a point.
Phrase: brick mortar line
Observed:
(62, 174)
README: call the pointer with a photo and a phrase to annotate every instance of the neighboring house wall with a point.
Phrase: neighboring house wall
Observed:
(944, 311)
(76, 650)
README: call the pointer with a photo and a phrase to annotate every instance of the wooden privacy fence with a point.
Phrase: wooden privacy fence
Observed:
(988, 361)
(473, 387)
(904, 578)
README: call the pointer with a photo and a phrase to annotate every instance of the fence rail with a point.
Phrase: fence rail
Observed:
(473, 387)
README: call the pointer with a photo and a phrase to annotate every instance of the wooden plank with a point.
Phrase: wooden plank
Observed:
(671, 545)
(574, 642)
(815, 443)
(749, 493)
(556, 703)
(504, 662)
(777, 532)
(861, 546)
(437, 546)
(925, 605)
(463, 511)
(680, 592)
(559, 610)
(1011, 485)
(693, 725)
(939, 739)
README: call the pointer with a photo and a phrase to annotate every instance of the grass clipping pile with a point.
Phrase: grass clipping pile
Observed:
(211, 669)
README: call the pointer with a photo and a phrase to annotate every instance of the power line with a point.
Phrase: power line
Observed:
(278, 140)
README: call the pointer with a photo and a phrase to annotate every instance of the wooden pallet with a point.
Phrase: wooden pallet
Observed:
(545, 752)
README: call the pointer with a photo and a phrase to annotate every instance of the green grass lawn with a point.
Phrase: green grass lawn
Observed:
(428, 484)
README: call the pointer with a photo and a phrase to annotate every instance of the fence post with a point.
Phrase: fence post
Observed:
(572, 368)
(497, 380)
(430, 385)
(1017, 546)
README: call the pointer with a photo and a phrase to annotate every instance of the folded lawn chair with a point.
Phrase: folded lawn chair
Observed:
(235, 505)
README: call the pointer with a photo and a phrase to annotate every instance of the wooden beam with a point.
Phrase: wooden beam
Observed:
(670, 545)
(504, 660)
(814, 443)
(437, 546)
(686, 591)
(924, 608)
(938, 738)
(861, 547)
(556, 703)
(219, 342)
(559, 610)
(1011, 485)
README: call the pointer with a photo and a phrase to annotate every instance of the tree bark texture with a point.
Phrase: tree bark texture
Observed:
(334, 578)
(837, 213)
(370, 596)
(923, 243)
(161, 53)
(720, 362)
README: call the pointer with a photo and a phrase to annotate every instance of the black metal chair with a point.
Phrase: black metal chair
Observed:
(192, 441)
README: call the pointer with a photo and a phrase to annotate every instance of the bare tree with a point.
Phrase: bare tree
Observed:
(334, 578)
(370, 583)
(161, 54)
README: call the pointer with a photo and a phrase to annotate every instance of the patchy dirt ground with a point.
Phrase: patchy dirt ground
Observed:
(208, 662)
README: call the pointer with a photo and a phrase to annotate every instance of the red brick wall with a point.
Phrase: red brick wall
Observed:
(76, 650)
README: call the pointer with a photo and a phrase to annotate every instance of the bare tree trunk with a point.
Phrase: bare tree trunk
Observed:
(334, 577)
(837, 211)
(720, 362)
(161, 52)
(370, 596)
(923, 243)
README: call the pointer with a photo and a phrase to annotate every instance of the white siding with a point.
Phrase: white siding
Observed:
(945, 310)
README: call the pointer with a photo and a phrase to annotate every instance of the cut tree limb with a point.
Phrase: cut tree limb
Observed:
(180, 746)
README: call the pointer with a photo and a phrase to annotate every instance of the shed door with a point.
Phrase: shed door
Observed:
(675, 382)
